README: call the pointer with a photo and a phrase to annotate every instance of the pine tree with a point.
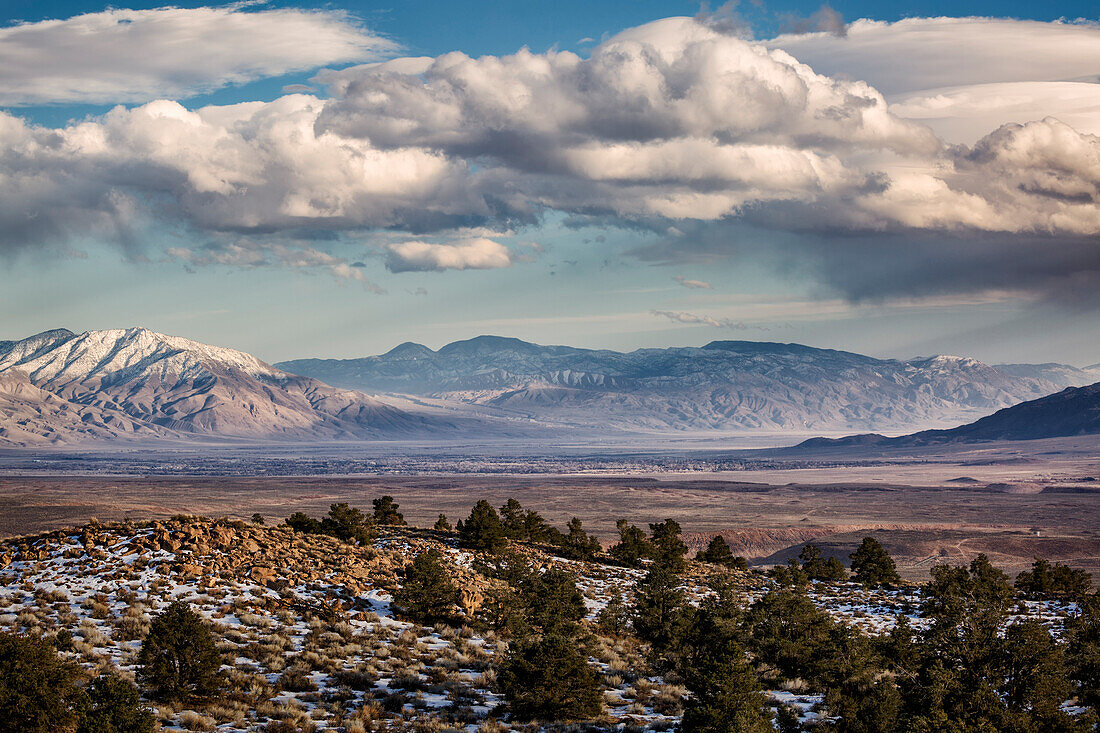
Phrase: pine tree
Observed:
(872, 565)
(178, 660)
(511, 519)
(37, 690)
(441, 524)
(817, 567)
(482, 530)
(725, 696)
(385, 511)
(659, 608)
(578, 544)
(548, 678)
(633, 545)
(427, 594)
(348, 524)
(717, 552)
(670, 550)
(113, 705)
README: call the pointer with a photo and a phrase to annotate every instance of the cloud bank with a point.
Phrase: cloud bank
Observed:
(123, 55)
(671, 124)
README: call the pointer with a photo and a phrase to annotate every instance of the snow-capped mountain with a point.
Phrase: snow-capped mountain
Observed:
(63, 387)
(725, 385)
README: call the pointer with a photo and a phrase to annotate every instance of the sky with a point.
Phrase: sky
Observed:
(330, 180)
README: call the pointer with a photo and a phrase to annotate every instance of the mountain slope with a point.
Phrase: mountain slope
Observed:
(1073, 411)
(725, 385)
(62, 387)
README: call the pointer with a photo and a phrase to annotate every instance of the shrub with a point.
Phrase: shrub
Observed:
(549, 678)
(178, 660)
(427, 594)
(113, 705)
(385, 511)
(37, 690)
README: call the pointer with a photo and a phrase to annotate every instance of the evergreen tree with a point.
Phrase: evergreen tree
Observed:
(578, 544)
(441, 524)
(348, 524)
(717, 553)
(817, 567)
(1083, 631)
(669, 549)
(257, 518)
(482, 530)
(37, 690)
(113, 705)
(791, 574)
(427, 594)
(614, 618)
(535, 528)
(872, 565)
(385, 511)
(659, 608)
(511, 519)
(633, 545)
(303, 523)
(725, 696)
(548, 678)
(178, 660)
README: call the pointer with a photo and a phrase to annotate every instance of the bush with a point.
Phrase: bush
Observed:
(178, 660)
(633, 545)
(872, 565)
(549, 678)
(578, 544)
(482, 530)
(37, 690)
(427, 594)
(385, 511)
(113, 705)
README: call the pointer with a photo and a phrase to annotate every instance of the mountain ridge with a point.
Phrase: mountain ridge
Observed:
(723, 385)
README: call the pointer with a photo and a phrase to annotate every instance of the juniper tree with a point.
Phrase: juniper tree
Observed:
(669, 549)
(547, 677)
(37, 690)
(659, 608)
(179, 661)
(113, 705)
(347, 523)
(385, 511)
(482, 530)
(441, 524)
(578, 544)
(717, 552)
(817, 567)
(427, 594)
(633, 546)
(872, 565)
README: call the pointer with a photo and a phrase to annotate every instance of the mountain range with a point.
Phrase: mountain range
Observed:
(60, 387)
(1073, 411)
(723, 386)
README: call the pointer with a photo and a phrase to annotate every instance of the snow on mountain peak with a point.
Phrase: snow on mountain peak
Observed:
(65, 356)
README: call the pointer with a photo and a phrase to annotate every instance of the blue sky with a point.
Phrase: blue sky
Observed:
(757, 204)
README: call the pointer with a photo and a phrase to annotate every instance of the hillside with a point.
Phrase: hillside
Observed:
(723, 386)
(1073, 411)
(59, 387)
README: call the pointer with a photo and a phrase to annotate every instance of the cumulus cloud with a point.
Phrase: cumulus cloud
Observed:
(702, 320)
(692, 284)
(472, 254)
(669, 126)
(123, 55)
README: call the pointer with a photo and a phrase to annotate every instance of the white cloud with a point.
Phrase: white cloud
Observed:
(666, 126)
(251, 254)
(703, 320)
(123, 55)
(929, 53)
(967, 76)
(692, 284)
(471, 254)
